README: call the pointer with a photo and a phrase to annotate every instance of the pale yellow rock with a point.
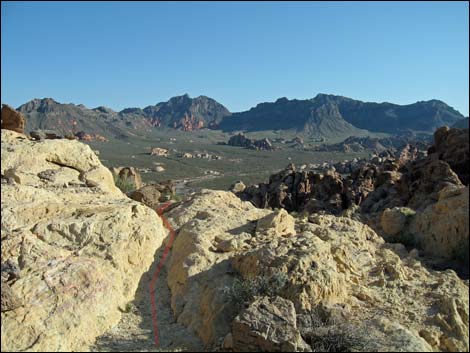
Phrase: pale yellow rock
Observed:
(81, 245)
(442, 229)
(268, 325)
(278, 223)
(394, 220)
(28, 158)
(331, 261)
(197, 270)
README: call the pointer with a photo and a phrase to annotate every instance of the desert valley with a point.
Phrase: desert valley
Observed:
(235, 176)
(293, 238)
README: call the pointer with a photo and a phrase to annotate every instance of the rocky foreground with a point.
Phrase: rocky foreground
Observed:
(326, 275)
(76, 251)
(78, 244)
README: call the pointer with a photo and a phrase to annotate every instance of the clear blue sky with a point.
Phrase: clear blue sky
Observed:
(131, 54)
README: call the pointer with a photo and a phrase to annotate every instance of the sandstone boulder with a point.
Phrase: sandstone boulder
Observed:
(268, 325)
(81, 245)
(442, 229)
(237, 187)
(12, 119)
(157, 151)
(394, 220)
(278, 223)
(452, 146)
(153, 194)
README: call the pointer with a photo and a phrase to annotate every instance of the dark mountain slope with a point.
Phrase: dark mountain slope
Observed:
(329, 115)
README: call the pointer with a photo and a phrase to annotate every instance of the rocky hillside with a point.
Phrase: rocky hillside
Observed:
(181, 112)
(69, 119)
(424, 199)
(356, 144)
(187, 113)
(307, 116)
(329, 115)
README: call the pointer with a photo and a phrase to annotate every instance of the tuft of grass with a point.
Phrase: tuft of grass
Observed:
(128, 308)
(124, 184)
(244, 290)
(325, 334)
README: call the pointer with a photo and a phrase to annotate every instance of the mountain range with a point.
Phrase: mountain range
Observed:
(322, 116)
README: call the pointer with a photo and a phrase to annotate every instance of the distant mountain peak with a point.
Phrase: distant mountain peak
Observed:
(324, 115)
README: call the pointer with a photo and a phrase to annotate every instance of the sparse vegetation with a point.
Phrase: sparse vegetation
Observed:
(124, 184)
(324, 334)
(128, 308)
(338, 338)
(243, 290)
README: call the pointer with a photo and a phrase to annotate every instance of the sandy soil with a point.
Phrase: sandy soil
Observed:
(134, 333)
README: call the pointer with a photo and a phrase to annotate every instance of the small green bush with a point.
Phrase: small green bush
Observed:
(124, 184)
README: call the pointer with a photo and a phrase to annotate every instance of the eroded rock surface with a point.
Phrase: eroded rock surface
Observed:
(268, 325)
(332, 262)
(80, 244)
(12, 119)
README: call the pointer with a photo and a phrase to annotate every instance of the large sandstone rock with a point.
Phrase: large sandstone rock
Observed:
(268, 325)
(153, 194)
(278, 223)
(198, 271)
(330, 262)
(12, 119)
(452, 146)
(240, 140)
(80, 244)
(442, 229)
(394, 220)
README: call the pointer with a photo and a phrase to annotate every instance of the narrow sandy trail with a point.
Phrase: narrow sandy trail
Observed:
(135, 332)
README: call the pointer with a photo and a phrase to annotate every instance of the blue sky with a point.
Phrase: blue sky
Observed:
(133, 54)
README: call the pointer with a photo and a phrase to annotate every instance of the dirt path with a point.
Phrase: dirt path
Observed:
(135, 330)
